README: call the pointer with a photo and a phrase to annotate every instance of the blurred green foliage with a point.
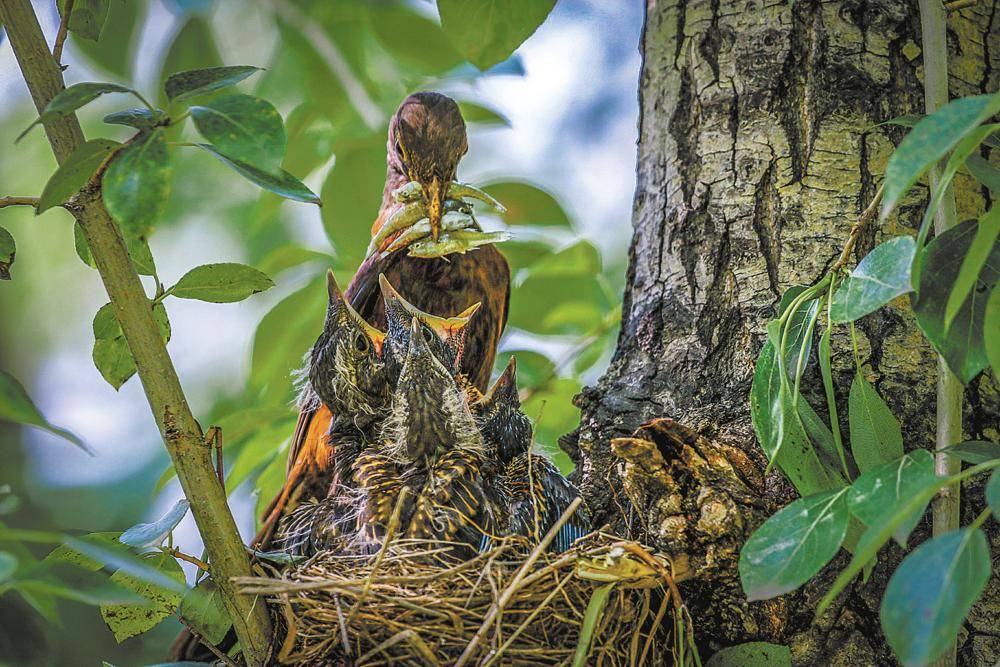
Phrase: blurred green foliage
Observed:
(338, 72)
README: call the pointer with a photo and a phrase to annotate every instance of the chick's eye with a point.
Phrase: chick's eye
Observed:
(361, 343)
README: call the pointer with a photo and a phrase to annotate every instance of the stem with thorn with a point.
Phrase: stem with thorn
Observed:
(181, 433)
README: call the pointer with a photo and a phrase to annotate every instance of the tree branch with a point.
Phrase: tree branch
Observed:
(182, 435)
(945, 511)
(18, 201)
(57, 48)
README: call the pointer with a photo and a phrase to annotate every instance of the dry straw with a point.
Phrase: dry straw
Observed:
(413, 603)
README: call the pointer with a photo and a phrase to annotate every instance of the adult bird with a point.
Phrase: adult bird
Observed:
(426, 141)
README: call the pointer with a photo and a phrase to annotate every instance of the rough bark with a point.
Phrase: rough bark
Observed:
(756, 153)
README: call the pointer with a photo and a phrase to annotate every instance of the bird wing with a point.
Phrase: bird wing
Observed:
(539, 495)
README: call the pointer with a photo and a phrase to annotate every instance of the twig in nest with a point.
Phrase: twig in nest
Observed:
(293, 630)
(531, 617)
(852, 238)
(498, 606)
(390, 532)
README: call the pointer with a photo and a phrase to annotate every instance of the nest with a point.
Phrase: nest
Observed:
(602, 602)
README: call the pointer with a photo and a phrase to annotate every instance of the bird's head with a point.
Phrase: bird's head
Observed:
(505, 427)
(430, 413)
(445, 336)
(345, 367)
(427, 139)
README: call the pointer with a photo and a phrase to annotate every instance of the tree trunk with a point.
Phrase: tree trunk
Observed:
(757, 152)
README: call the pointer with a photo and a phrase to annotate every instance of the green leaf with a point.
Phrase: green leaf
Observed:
(593, 616)
(482, 115)
(793, 545)
(414, 40)
(193, 47)
(963, 150)
(528, 205)
(203, 609)
(280, 182)
(930, 140)
(8, 565)
(146, 569)
(351, 190)
(991, 330)
(579, 259)
(880, 277)
(984, 172)
(130, 620)
(579, 298)
(64, 580)
(799, 338)
(752, 654)
(962, 344)
(138, 250)
(114, 54)
(70, 99)
(284, 334)
(488, 31)
(930, 593)
(140, 118)
(826, 371)
(185, 85)
(287, 256)
(8, 249)
(972, 264)
(243, 128)
(876, 436)
(152, 534)
(993, 493)
(974, 451)
(111, 354)
(87, 17)
(16, 406)
(221, 283)
(780, 431)
(886, 488)
(523, 254)
(64, 553)
(137, 182)
(75, 172)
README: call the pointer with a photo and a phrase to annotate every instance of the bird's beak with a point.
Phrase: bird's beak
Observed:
(337, 296)
(434, 193)
(504, 390)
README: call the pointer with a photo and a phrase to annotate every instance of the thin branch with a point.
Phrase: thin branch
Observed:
(229, 662)
(866, 216)
(181, 433)
(335, 60)
(197, 562)
(18, 201)
(57, 48)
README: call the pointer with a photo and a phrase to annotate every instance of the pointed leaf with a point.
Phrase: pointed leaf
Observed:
(984, 172)
(203, 609)
(930, 140)
(130, 620)
(993, 493)
(528, 205)
(991, 331)
(930, 593)
(111, 354)
(221, 283)
(780, 431)
(8, 249)
(137, 182)
(799, 338)
(185, 85)
(81, 585)
(488, 31)
(972, 264)
(16, 406)
(149, 569)
(752, 654)
(876, 436)
(793, 545)
(482, 115)
(75, 172)
(140, 118)
(962, 344)
(280, 182)
(888, 487)
(72, 98)
(151, 534)
(244, 128)
(880, 277)
(975, 451)
(87, 17)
